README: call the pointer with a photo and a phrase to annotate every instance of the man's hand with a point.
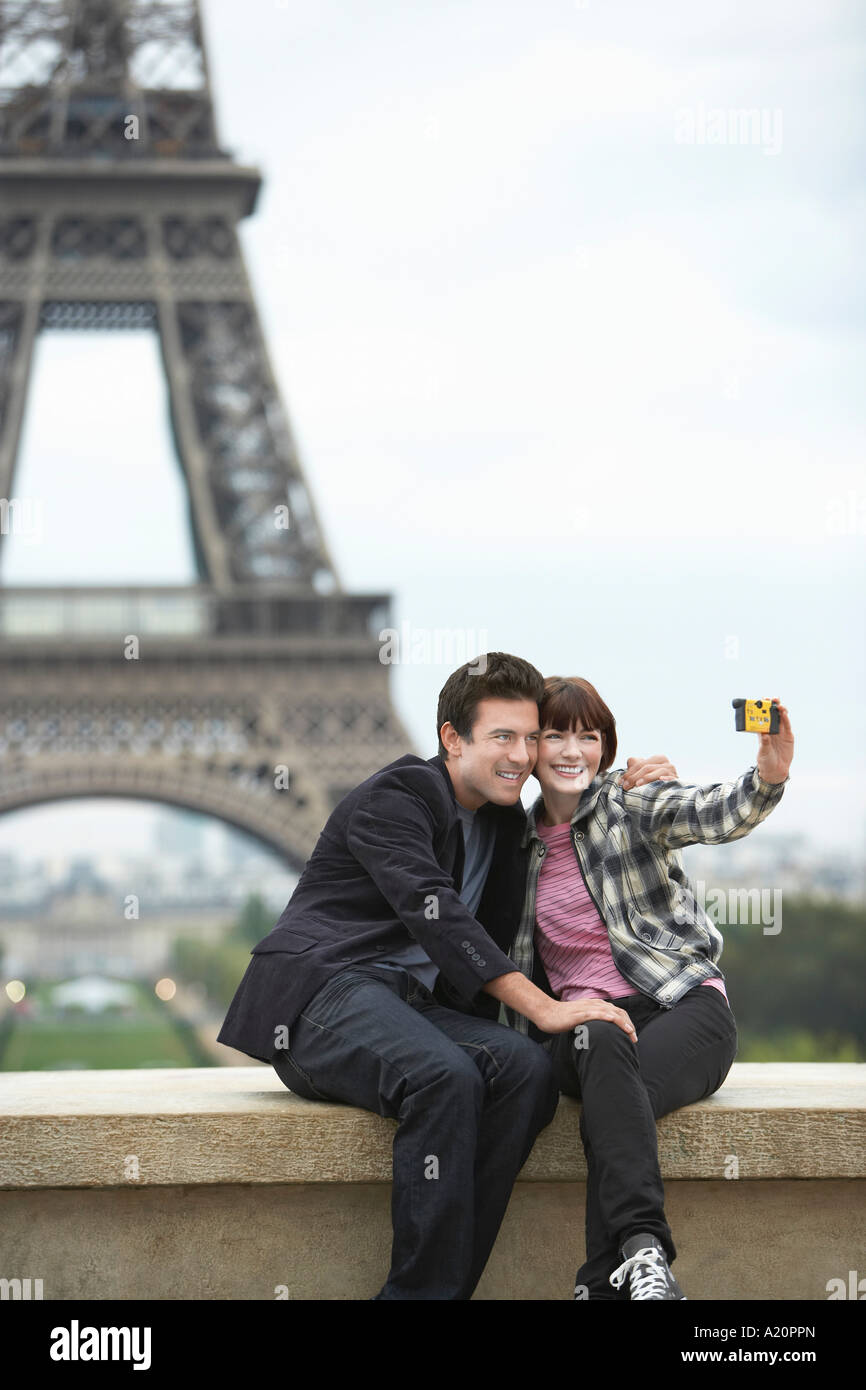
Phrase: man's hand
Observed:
(560, 1016)
(553, 1015)
(639, 771)
(775, 751)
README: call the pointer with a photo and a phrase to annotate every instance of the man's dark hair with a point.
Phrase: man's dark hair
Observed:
(496, 676)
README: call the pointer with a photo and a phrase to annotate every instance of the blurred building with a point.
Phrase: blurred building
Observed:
(80, 926)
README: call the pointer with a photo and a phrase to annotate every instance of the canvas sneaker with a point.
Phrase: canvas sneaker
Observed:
(646, 1268)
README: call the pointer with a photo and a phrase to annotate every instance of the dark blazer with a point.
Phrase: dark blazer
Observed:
(387, 867)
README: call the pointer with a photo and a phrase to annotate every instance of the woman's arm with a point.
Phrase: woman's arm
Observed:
(675, 816)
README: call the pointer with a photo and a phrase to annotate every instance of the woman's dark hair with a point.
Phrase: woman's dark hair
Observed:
(496, 676)
(568, 701)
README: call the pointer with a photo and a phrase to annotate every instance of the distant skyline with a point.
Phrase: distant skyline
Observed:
(566, 378)
(120, 834)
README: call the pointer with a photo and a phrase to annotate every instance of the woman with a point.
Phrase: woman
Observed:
(613, 918)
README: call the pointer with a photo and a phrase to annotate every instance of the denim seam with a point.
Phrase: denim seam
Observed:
(325, 1028)
(300, 1070)
(480, 1047)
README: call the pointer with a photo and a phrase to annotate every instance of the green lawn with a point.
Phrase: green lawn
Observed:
(52, 1042)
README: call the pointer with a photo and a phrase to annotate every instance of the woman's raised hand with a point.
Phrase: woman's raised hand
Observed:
(775, 751)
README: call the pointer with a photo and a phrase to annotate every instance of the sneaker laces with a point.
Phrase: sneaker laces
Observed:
(650, 1282)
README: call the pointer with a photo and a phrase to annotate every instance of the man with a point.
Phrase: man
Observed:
(381, 982)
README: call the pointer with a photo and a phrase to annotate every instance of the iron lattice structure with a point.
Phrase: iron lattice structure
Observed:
(119, 210)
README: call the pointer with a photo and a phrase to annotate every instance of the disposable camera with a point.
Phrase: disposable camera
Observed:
(756, 716)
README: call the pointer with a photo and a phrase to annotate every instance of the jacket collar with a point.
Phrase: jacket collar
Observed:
(585, 807)
(488, 808)
(439, 763)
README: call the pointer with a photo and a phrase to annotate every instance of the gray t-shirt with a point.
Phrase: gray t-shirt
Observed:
(479, 837)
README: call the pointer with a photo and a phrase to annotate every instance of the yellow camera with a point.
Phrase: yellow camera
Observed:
(756, 716)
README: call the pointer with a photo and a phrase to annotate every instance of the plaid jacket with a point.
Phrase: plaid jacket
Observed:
(627, 847)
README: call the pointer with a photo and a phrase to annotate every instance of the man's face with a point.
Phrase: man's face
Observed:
(494, 763)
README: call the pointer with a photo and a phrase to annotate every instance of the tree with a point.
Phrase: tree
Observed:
(254, 921)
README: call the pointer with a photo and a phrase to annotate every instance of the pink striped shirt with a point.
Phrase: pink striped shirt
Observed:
(570, 936)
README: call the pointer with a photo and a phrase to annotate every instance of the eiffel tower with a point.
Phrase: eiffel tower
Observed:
(255, 694)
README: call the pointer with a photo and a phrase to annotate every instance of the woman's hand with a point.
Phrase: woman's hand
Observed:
(639, 771)
(775, 751)
(558, 1016)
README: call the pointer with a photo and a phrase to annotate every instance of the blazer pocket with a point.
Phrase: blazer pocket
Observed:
(292, 943)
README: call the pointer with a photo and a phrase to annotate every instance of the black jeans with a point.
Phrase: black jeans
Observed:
(470, 1097)
(682, 1054)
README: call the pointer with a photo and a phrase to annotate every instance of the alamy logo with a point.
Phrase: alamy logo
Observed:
(76, 1343)
(719, 125)
(424, 646)
(856, 1287)
(739, 906)
(21, 516)
(21, 1288)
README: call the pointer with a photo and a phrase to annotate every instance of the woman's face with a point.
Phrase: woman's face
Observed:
(568, 761)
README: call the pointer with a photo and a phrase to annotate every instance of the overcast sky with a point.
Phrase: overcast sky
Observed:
(569, 376)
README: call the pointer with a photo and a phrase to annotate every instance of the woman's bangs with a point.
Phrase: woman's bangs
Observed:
(566, 706)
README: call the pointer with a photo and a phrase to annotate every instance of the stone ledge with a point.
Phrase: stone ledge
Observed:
(210, 1126)
(735, 1240)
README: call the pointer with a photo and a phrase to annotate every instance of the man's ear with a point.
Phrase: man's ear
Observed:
(450, 738)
